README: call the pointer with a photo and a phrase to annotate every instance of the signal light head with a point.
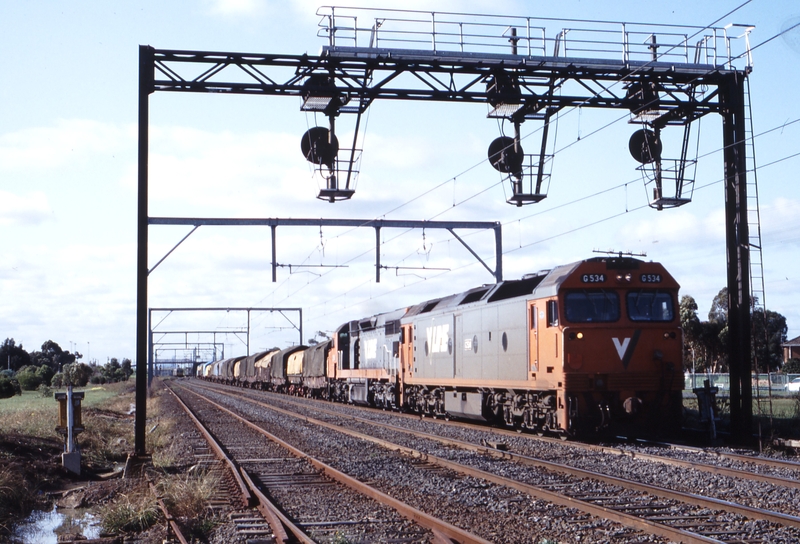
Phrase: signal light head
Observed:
(645, 146)
(320, 146)
(506, 155)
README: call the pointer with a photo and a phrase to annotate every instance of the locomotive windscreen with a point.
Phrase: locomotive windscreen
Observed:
(649, 306)
(595, 305)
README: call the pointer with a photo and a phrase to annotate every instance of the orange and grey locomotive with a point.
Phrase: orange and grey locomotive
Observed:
(593, 346)
(589, 347)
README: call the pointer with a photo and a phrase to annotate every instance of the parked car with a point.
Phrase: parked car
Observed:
(793, 386)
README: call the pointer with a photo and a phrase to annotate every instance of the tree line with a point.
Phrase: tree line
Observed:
(705, 343)
(52, 367)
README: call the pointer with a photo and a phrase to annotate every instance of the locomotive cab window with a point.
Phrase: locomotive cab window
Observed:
(552, 313)
(591, 306)
(649, 305)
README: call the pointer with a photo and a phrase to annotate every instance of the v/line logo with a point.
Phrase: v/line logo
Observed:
(625, 347)
(438, 337)
(622, 347)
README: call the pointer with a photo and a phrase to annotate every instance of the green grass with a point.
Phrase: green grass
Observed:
(135, 512)
(782, 408)
(33, 415)
(32, 400)
(785, 420)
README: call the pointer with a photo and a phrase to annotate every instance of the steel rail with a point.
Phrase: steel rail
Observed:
(678, 535)
(704, 467)
(274, 516)
(697, 465)
(218, 451)
(278, 522)
(758, 460)
(171, 522)
(443, 531)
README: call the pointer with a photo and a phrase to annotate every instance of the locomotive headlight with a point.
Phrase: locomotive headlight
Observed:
(669, 335)
(624, 278)
(576, 336)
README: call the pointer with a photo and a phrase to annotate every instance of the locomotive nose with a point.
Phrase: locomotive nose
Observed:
(632, 405)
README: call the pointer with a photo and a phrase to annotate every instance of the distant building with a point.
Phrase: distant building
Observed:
(791, 349)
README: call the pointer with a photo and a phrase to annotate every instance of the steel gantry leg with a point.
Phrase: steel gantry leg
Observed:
(738, 256)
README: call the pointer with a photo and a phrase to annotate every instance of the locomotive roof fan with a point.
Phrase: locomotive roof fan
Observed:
(319, 144)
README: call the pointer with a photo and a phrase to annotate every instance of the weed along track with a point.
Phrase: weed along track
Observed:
(568, 499)
(313, 501)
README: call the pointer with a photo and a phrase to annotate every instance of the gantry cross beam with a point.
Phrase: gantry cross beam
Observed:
(363, 77)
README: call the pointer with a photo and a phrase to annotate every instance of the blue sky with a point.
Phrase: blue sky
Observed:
(68, 145)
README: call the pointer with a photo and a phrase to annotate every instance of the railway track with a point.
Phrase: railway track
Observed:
(236, 490)
(777, 472)
(315, 502)
(651, 508)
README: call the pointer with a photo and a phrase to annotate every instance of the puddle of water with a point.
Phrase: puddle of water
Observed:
(44, 527)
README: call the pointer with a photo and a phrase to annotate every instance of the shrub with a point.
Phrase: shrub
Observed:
(77, 374)
(27, 378)
(45, 373)
(7, 389)
(792, 366)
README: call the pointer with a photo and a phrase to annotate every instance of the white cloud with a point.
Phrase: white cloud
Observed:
(29, 209)
(675, 227)
(39, 148)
